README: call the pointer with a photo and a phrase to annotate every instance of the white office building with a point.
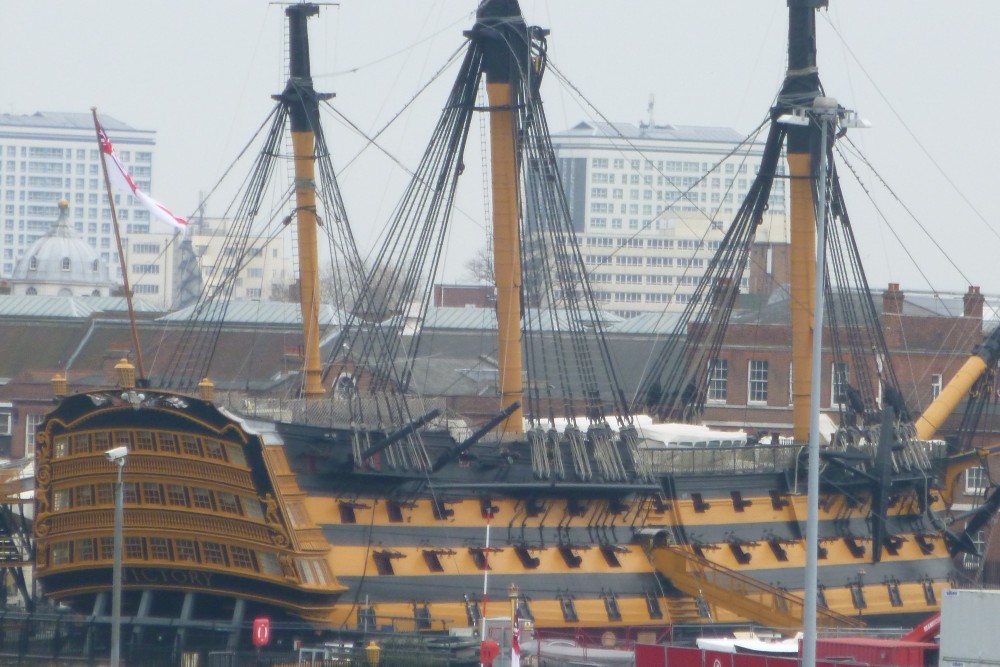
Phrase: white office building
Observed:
(49, 156)
(650, 205)
(266, 272)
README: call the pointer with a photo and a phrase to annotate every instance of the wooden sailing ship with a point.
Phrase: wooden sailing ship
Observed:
(356, 508)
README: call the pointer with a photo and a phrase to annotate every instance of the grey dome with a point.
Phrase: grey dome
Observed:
(61, 258)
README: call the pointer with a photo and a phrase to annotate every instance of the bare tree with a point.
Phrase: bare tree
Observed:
(352, 292)
(479, 267)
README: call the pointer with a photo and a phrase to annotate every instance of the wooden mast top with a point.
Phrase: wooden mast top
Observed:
(302, 103)
(504, 39)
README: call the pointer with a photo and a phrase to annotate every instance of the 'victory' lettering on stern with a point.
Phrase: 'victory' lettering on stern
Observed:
(156, 576)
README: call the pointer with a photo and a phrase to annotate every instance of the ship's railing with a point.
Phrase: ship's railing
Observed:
(152, 521)
(143, 464)
(332, 411)
(715, 460)
(761, 458)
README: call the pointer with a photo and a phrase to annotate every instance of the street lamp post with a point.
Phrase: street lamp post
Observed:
(117, 456)
(828, 115)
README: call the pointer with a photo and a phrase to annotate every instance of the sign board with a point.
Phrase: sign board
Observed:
(261, 631)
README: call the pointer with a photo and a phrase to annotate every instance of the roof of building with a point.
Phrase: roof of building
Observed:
(648, 323)
(937, 304)
(67, 306)
(461, 318)
(61, 257)
(659, 132)
(486, 318)
(65, 119)
(915, 304)
(261, 312)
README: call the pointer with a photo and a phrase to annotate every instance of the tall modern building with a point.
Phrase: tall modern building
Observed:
(650, 204)
(48, 156)
(266, 272)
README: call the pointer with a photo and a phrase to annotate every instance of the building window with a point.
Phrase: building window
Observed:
(167, 442)
(85, 550)
(105, 494)
(975, 481)
(190, 445)
(107, 545)
(151, 494)
(241, 557)
(269, 563)
(133, 548)
(972, 561)
(60, 500)
(313, 572)
(66, 264)
(31, 425)
(235, 455)
(144, 441)
(213, 552)
(186, 550)
(718, 380)
(81, 443)
(201, 499)
(176, 495)
(937, 382)
(840, 377)
(33, 264)
(84, 496)
(791, 384)
(60, 553)
(159, 548)
(130, 492)
(251, 506)
(757, 381)
(227, 502)
(102, 441)
(213, 450)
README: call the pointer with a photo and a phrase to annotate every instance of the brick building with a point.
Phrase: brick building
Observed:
(926, 339)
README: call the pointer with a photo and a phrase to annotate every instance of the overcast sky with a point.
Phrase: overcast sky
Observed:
(200, 72)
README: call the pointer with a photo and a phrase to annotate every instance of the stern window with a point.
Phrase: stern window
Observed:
(186, 550)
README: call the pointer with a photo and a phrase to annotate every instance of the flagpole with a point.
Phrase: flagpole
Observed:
(515, 640)
(140, 369)
(486, 571)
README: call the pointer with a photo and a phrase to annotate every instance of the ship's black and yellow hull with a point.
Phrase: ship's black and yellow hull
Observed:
(278, 515)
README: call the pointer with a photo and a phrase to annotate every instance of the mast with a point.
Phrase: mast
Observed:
(133, 327)
(302, 103)
(800, 88)
(504, 39)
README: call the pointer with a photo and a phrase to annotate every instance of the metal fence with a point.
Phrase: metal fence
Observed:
(51, 639)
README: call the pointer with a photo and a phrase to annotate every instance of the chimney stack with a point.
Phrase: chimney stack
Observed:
(973, 302)
(892, 300)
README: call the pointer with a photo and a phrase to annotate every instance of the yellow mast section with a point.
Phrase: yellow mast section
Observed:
(507, 250)
(303, 110)
(503, 37)
(803, 288)
(959, 387)
(800, 88)
(303, 144)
